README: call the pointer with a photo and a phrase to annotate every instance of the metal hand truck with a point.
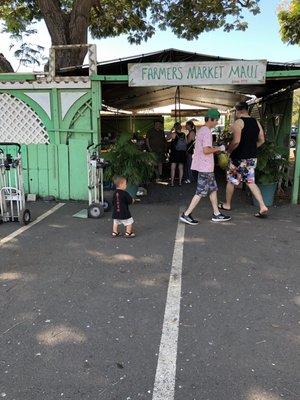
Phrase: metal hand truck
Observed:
(96, 165)
(12, 194)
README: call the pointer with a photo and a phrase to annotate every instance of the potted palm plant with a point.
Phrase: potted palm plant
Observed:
(271, 164)
(126, 159)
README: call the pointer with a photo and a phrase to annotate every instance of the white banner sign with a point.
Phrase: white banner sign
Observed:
(198, 73)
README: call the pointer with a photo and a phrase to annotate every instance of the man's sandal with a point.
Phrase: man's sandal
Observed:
(221, 207)
(129, 234)
(261, 215)
(115, 234)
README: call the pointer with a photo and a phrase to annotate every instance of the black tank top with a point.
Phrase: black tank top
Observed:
(191, 145)
(247, 147)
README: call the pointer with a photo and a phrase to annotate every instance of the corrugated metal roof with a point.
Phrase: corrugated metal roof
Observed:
(116, 66)
(120, 96)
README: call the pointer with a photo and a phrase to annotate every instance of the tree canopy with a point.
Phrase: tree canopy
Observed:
(68, 21)
(296, 107)
(289, 20)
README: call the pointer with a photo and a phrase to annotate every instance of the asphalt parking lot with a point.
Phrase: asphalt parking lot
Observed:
(82, 314)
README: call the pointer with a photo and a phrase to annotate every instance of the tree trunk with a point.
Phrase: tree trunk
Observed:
(5, 65)
(68, 29)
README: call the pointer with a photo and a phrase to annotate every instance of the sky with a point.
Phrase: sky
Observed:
(260, 41)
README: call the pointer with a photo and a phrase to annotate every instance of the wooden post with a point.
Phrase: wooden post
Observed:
(55, 114)
(295, 195)
(96, 107)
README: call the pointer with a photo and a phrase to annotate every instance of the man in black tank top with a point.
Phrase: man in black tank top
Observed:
(248, 135)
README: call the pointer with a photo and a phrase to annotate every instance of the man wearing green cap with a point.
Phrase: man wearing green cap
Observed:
(203, 162)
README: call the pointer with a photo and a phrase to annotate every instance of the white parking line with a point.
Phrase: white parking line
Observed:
(164, 386)
(24, 228)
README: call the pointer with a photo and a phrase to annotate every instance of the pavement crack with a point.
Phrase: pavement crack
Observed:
(69, 276)
(12, 327)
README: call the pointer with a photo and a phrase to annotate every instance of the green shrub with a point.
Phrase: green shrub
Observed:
(271, 163)
(126, 159)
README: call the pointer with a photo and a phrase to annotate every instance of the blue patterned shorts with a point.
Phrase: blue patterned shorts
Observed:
(242, 171)
(206, 184)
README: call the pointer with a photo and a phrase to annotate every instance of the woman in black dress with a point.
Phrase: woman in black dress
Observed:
(178, 152)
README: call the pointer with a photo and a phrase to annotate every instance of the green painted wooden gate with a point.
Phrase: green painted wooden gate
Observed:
(56, 170)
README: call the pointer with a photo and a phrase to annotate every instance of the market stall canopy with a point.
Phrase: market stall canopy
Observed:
(116, 92)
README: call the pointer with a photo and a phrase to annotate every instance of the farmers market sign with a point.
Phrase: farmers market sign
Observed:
(198, 73)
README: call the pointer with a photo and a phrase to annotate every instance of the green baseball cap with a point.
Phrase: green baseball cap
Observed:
(213, 113)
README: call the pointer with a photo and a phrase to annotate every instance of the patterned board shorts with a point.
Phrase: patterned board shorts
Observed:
(242, 171)
(124, 222)
(206, 184)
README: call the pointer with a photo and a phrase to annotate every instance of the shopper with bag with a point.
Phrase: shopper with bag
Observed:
(178, 152)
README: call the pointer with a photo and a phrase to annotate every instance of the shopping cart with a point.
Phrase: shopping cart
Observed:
(12, 195)
(96, 165)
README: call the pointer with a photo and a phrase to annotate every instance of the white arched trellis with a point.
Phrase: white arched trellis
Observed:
(19, 123)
